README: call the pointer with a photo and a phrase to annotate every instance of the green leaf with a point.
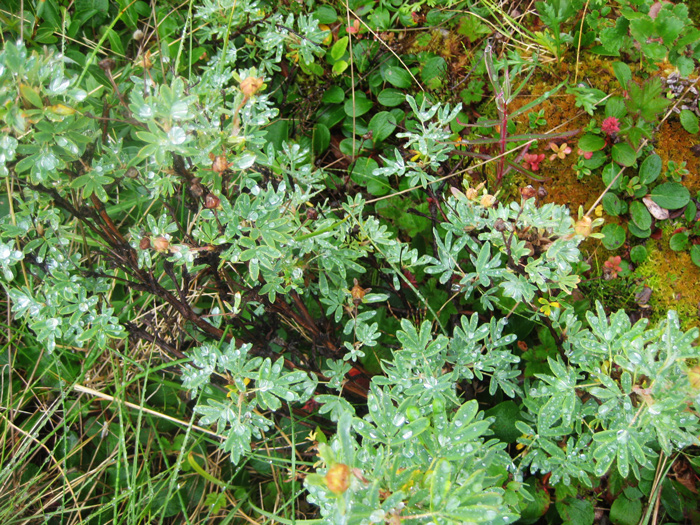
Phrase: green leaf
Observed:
(391, 97)
(397, 77)
(624, 154)
(433, 70)
(115, 42)
(363, 174)
(31, 95)
(654, 51)
(638, 254)
(321, 138)
(609, 173)
(638, 232)
(351, 147)
(625, 512)
(614, 236)
(670, 195)
(339, 48)
(591, 142)
(333, 95)
(576, 511)
(537, 504)
(647, 100)
(613, 38)
(506, 414)
(615, 107)
(623, 73)
(382, 125)
(642, 28)
(325, 14)
(331, 115)
(650, 169)
(440, 484)
(91, 9)
(640, 215)
(689, 121)
(339, 67)
(679, 242)
(277, 133)
(695, 254)
(611, 204)
(668, 27)
(362, 105)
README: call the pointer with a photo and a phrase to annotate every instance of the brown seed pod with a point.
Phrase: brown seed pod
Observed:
(161, 244)
(220, 164)
(250, 86)
(107, 64)
(145, 243)
(212, 202)
(196, 188)
(528, 192)
(338, 478)
(358, 293)
(584, 226)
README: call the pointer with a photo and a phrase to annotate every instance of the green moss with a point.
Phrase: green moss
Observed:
(673, 279)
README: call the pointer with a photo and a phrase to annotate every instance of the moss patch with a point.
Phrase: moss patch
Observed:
(674, 280)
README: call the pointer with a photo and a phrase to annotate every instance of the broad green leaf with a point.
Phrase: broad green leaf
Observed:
(650, 169)
(333, 95)
(623, 73)
(695, 254)
(624, 154)
(397, 77)
(611, 204)
(689, 121)
(670, 195)
(506, 414)
(576, 511)
(382, 125)
(31, 95)
(668, 27)
(640, 215)
(339, 48)
(591, 142)
(638, 232)
(339, 67)
(321, 138)
(638, 254)
(433, 71)
(325, 14)
(679, 242)
(614, 236)
(625, 512)
(391, 97)
(361, 105)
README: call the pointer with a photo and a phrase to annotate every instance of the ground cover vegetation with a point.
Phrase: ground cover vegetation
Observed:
(382, 261)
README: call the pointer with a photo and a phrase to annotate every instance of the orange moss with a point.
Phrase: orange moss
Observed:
(561, 181)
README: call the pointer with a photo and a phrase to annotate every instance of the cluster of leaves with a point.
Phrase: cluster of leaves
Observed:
(284, 291)
(617, 146)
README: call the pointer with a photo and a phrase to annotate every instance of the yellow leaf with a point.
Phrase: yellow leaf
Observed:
(61, 110)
